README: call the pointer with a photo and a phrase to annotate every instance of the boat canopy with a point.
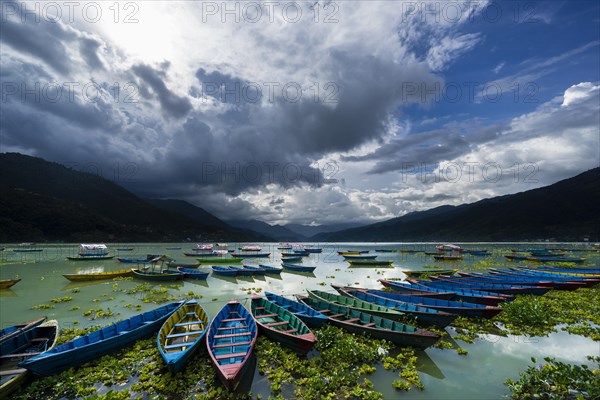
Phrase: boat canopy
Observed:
(93, 249)
(252, 248)
(204, 247)
(220, 252)
(451, 247)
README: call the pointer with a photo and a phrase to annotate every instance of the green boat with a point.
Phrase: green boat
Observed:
(356, 304)
(280, 325)
(219, 260)
(358, 322)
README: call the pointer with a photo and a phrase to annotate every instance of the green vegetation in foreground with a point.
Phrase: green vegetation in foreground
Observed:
(339, 372)
(557, 380)
(539, 315)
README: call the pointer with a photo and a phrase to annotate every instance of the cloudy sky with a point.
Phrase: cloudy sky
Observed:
(306, 112)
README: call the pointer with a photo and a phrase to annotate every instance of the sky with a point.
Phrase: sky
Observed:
(306, 112)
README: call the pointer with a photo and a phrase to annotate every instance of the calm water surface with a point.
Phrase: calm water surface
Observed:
(445, 374)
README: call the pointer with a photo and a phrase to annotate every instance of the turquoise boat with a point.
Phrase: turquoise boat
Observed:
(359, 323)
(280, 325)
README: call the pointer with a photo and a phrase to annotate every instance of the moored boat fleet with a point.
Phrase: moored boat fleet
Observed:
(403, 314)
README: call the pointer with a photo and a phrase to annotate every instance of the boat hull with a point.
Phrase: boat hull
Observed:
(180, 330)
(6, 283)
(282, 326)
(230, 342)
(312, 318)
(98, 276)
(96, 344)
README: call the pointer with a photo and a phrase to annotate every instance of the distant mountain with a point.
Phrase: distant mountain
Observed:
(191, 211)
(308, 230)
(277, 232)
(44, 201)
(567, 210)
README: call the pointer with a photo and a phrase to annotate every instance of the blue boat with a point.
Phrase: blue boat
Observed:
(193, 273)
(125, 249)
(173, 248)
(454, 287)
(230, 341)
(14, 330)
(271, 270)
(27, 250)
(472, 296)
(251, 255)
(494, 287)
(521, 280)
(255, 270)
(24, 345)
(291, 259)
(98, 343)
(299, 268)
(575, 270)
(225, 271)
(454, 307)
(587, 282)
(422, 314)
(181, 334)
(310, 317)
(313, 250)
(241, 271)
(125, 260)
(293, 254)
(301, 253)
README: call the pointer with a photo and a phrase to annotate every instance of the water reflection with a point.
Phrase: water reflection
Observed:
(7, 293)
(427, 366)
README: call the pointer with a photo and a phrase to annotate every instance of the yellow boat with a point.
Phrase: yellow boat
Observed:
(96, 276)
(6, 283)
(349, 253)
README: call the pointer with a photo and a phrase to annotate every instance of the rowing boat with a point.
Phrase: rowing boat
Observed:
(271, 270)
(90, 258)
(280, 325)
(299, 268)
(461, 308)
(423, 314)
(26, 344)
(251, 255)
(381, 263)
(241, 271)
(98, 343)
(355, 304)
(6, 283)
(219, 260)
(230, 341)
(160, 276)
(472, 296)
(225, 271)
(181, 334)
(310, 317)
(358, 322)
(494, 287)
(360, 257)
(14, 330)
(193, 273)
(255, 270)
(97, 276)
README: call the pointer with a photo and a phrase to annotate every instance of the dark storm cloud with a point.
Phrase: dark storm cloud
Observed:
(42, 39)
(171, 104)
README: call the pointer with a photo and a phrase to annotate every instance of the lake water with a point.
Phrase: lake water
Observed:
(445, 374)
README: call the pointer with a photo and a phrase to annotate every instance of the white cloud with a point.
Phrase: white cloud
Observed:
(498, 67)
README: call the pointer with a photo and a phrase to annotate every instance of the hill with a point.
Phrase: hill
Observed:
(567, 210)
(44, 201)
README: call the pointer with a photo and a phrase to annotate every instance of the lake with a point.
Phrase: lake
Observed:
(445, 374)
